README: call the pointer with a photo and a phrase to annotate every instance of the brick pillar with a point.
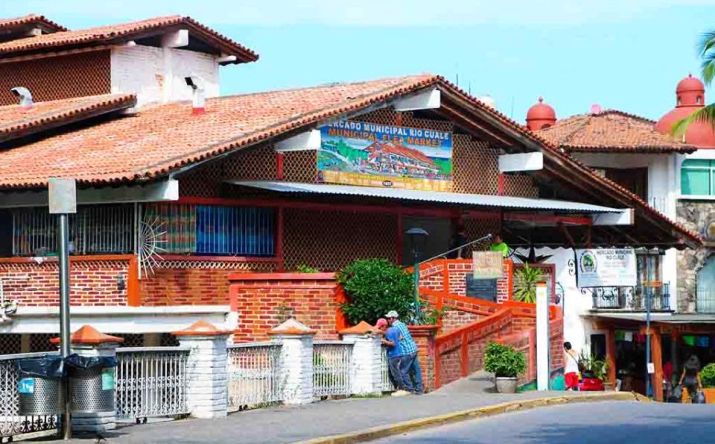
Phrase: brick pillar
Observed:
(206, 369)
(366, 365)
(296, 361)
(424, 337)
(88, 342)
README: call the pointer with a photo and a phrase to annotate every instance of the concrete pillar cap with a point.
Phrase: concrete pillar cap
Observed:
(291, 327)
(201, 328)
(90, 336)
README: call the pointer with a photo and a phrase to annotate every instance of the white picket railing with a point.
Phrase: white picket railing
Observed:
(253, 375)
(151, 381)
(385, 381)
(11, 423)
(331, 368)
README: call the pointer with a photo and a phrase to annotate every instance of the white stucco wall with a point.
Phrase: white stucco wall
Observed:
(156, 75)
(577, 330)
(663, 192)
(661, 174)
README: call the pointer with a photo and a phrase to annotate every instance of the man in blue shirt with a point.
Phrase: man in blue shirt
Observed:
(391, 340)
(409, 363)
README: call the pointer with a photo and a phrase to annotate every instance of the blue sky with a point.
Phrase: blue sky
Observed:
(624, 54)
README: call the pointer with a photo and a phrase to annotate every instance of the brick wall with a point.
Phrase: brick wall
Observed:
(424, 336)
(432, 276)
(194, 281)
(92, 281)
(54, 78)
(264, 300)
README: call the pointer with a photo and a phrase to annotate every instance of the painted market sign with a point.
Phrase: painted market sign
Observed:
(371, 154)
(606, 267)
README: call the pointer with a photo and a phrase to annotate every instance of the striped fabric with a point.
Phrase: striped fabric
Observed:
(407, 344)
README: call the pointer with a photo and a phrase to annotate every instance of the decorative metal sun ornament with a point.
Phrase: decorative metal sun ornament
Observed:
(152, 238)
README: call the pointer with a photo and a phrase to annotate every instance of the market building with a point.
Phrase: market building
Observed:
(180, 188)
(674, 176)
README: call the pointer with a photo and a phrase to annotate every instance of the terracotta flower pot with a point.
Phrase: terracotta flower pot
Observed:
(506, 385)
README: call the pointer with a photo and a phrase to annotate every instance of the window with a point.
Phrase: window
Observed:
(93, 230)
(219, 230)
(649, 270)
(697, 177)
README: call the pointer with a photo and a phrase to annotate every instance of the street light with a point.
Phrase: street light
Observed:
(417, 237)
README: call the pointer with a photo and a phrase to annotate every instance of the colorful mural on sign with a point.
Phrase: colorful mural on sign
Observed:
(370, 154)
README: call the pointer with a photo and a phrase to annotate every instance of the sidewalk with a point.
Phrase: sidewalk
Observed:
(290, 424)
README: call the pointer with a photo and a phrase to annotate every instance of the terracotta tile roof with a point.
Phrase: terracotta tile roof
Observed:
(124, 150)
(119, 33)
(30, 19)
(163, 138)
(611, 131)
(16, 121)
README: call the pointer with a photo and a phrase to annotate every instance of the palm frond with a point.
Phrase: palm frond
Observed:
(708, 67)
(705, 114)
(707, 42)
(706, 48)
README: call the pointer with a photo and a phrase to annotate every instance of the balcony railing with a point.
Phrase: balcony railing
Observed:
(631, 298)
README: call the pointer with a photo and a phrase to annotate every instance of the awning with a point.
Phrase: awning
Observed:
(479, 200)
(668, 318)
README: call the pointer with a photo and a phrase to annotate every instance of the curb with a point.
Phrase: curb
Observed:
(479, 412)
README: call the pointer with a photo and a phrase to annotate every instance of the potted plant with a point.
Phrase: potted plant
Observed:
(592, 368)
(707, 376)
(525, 281)
(506, 363)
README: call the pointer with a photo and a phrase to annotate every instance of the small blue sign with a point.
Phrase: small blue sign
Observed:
(26, 386)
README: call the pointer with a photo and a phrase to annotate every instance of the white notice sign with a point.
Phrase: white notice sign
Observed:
(606, 267)
(488, 264)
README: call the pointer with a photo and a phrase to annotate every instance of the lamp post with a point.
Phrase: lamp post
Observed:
(417, 237)
(63, 202)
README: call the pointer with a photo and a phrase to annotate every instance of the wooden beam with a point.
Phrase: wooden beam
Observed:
(567, 235)
(472, 126)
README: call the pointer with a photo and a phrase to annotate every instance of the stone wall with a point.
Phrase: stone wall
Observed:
(696, 216)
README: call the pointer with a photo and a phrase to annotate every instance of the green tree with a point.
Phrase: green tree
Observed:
(706, 48)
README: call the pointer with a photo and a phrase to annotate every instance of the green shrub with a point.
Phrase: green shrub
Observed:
(303, 268)
(374, 287)
(707, 375)
(504, 361)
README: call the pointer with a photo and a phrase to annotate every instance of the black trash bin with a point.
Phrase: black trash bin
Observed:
(91, 383)
(39, 385)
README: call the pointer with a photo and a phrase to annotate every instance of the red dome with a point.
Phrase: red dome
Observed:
(540, 115)
(690, 83)
(690, 94)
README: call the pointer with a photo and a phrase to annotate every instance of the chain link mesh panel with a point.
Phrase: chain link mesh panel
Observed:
(300, 166)
(330, 240)
(41, 342)
(55, 78)
(10, 344)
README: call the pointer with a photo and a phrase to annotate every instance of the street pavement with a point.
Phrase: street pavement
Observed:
(284, 424)
(597, 423)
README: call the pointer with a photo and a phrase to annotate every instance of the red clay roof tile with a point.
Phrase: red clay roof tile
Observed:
(611, 131)
(16, 121)
(30, 19)
(125, 150)
(113, 34)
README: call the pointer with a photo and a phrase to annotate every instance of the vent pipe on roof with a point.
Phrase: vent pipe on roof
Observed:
(24, 95)
(198, 99)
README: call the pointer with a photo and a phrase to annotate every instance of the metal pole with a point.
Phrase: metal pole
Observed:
(63, 240)
(647, 342)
